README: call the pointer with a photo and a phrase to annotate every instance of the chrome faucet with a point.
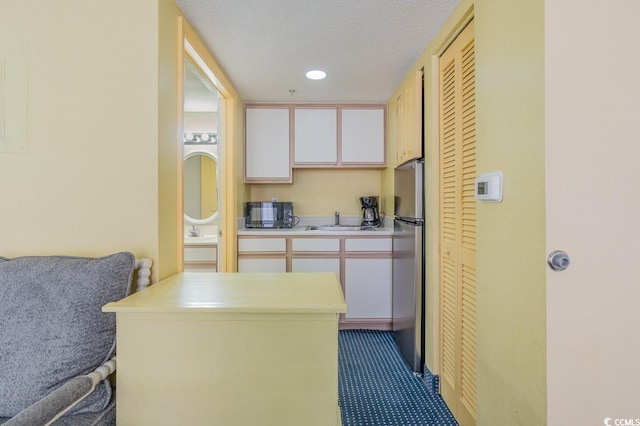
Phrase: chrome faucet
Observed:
(337, 218)
(193, 232)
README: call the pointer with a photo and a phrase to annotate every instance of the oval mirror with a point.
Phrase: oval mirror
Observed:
(200, 186)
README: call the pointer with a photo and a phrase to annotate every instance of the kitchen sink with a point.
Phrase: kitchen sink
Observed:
(338, 228)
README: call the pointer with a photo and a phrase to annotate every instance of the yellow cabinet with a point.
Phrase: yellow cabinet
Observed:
(409, 119)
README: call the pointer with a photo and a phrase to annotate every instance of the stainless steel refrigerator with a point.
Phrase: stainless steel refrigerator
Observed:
(408, 262)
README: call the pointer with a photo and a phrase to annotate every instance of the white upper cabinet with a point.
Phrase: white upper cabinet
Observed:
(267, 145)
(316, 136)
(280, 137)
(363, 136)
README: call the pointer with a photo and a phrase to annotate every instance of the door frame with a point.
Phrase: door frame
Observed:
(191, 45)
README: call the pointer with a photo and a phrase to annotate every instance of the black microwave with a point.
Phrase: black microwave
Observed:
(269, 214)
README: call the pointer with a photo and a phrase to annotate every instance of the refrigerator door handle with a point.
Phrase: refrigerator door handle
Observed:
(413, 220)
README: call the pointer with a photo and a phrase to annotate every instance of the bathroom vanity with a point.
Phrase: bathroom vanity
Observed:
(203, 348)
(201, 253)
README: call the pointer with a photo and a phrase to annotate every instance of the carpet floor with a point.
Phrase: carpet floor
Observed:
(377, 388)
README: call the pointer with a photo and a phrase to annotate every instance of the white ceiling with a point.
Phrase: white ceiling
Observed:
(365, 46)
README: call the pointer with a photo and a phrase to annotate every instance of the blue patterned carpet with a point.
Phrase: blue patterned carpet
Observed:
(377, 388)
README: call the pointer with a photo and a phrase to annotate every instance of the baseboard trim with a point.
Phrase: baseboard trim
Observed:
(366, 324)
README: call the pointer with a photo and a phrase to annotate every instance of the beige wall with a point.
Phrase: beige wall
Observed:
(200, 122)
(511, 234)
(321, 192)
(87, 183)
(100, 170)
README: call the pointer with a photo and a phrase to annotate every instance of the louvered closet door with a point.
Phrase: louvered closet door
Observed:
(458, 228)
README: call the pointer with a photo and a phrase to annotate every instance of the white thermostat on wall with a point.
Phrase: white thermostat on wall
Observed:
(489, 187)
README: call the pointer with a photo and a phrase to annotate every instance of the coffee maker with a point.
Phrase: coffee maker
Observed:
(370, 214)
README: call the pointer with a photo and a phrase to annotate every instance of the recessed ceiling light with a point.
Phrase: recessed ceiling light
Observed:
(316, 74)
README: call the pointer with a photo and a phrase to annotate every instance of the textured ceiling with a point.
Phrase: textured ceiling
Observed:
(365, 46)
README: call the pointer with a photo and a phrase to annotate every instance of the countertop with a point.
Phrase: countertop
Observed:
(238, 292)
(301, 228)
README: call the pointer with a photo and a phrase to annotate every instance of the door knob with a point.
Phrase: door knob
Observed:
(558, 260)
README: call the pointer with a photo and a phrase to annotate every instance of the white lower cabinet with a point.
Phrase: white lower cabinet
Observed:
(262, 254)
(200, 258)
(362, 263)
(315, 255)
(368, 288)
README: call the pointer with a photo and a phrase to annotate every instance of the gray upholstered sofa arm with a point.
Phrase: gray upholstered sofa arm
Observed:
(48, 409)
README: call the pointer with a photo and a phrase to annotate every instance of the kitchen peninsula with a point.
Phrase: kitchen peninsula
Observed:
(204, 348)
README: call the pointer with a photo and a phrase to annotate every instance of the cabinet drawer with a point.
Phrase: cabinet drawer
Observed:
(315, 265)
(200, 254)
(262, 265)
(262, 245)
(315, 244)
(368, 244)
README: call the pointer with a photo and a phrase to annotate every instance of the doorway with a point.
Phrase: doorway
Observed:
(202, 145)
(228, 133)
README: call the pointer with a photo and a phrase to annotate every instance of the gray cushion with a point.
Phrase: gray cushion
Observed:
(53, 328)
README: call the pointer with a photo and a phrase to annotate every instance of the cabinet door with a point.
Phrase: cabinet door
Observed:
(368, 288)
(363, 136)
(200, 258)
(315, 136)
(267, 145)
(200, 254)
(409, 119)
